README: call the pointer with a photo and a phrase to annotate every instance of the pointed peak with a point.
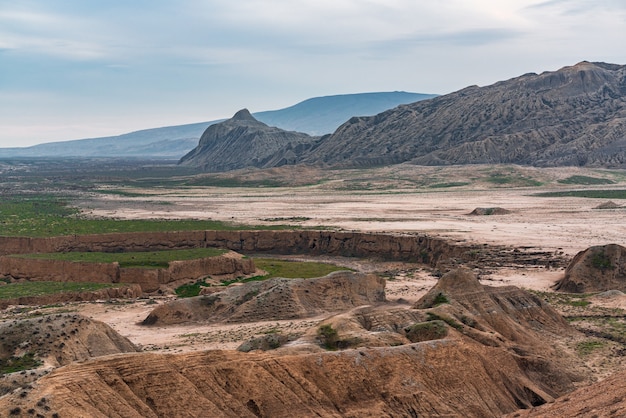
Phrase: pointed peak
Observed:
(243, 114)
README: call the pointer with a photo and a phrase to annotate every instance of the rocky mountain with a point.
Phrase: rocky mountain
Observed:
(243, 141)
(573, 116)
(315, 116)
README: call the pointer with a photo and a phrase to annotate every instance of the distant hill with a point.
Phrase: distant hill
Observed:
(243, 141)
(316, 116)
(575, 116)
(323, 115)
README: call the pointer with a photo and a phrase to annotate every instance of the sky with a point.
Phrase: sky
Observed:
(72, 69)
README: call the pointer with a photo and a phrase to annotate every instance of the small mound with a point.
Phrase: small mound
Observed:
(596, 269)
(489, 211)
(608, 205)
(274, 299)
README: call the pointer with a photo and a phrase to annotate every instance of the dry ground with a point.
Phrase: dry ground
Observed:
(395, 199)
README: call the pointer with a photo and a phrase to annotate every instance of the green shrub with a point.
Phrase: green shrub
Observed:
(328, 336)
(16, 364)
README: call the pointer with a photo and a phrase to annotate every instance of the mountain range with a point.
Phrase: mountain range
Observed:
(575, 116)
(315, 116)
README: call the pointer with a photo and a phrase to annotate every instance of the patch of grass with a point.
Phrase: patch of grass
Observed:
(565, 299)
(584, 348)
(47, 216)
(24, 289)
(147, 259)
(191, 289)
(592, 194)
(585, 180)
(440, 299)
(295, 269)
(17, 364)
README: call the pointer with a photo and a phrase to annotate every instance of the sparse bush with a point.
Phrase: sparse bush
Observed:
(601, 261)
(328, 336)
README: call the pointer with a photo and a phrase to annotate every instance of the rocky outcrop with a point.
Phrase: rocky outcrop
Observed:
(149, 279)
(604, 399)
(596, 269)
(439, 378)
(274, 299)
(573, 116)
(243, 141)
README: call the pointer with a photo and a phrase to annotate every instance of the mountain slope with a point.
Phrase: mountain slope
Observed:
(243, 141)
(319, 115)
(573, 116)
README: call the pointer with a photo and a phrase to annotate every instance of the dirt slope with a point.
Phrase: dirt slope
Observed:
(445, 378)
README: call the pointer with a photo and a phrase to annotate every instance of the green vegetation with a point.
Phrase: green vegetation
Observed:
(601, 261)
(594, 194)
(515, 179)
(17, 364)
(294, 269)
(191, 289)
(17, 290)
(440, 299)
(449, 184)
(148, 259)
(329, 337)
(584, 348)
(565, 299)
(585, 180)
(46, 216)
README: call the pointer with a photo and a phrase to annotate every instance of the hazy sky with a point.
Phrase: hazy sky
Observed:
(76, 69)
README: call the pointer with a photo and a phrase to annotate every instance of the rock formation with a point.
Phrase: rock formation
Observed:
(596, 269)
(243, 141)
(603, 400)
(480, 356)
(274, 299)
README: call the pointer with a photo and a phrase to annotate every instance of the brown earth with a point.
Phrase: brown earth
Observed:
(488, 365)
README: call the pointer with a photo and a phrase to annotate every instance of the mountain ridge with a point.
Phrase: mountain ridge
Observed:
(572, 116)
(315, 116)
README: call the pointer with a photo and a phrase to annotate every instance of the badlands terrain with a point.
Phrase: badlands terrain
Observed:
(499, 339)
